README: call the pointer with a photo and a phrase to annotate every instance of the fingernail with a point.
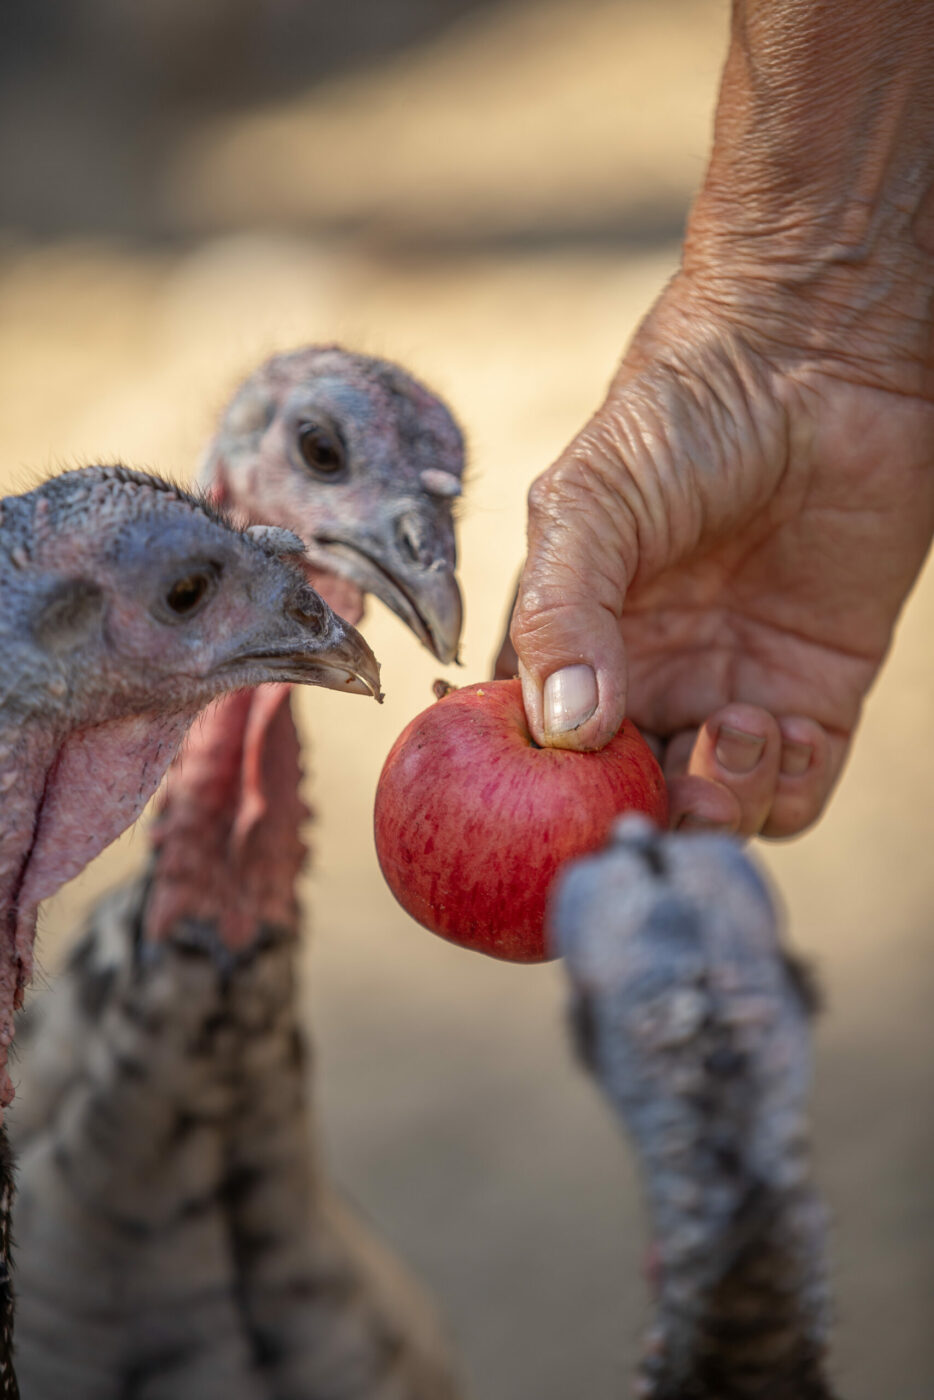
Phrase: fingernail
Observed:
(569, 698)
(796, 758)
(737, 751)
(691, 821)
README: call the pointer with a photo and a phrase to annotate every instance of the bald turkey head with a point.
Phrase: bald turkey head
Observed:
(127, 606)
(364, 463)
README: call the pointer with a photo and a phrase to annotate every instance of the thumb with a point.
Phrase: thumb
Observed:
(583, 548)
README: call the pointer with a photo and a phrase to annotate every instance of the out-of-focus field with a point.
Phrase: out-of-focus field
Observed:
(496, 207)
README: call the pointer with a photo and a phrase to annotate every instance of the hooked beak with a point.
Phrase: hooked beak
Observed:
(428, 600)
(343, 661)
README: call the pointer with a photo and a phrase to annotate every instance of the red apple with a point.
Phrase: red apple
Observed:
(473, 819)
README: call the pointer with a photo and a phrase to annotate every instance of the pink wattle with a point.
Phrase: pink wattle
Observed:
(227, 838)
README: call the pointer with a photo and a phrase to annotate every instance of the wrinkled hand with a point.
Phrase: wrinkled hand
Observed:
(722, 552)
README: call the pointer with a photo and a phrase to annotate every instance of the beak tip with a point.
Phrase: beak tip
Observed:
(372, 684)
(444, 649)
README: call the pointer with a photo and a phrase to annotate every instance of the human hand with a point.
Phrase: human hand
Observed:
(727, 544)
(722, 552)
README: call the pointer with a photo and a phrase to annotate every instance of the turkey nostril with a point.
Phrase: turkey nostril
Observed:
(409, 536)
(306, 607)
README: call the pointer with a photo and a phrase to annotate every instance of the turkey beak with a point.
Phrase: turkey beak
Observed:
(317, 648)
(343, 662)
(429, 602)
(409, 564)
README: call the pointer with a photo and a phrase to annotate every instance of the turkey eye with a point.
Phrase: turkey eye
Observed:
(186, 593)
(321, 448)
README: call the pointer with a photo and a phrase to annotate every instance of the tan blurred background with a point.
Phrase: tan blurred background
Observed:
(493, 194)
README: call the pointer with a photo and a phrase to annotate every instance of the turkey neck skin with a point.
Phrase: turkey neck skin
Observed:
(227, 841)
(27, 760)
(66, 795)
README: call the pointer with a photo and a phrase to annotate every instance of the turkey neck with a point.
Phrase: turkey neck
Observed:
(27, 759)
(696, 1023)
(749, 1325)
(742, 1309)
(226, 842)
(69, 791)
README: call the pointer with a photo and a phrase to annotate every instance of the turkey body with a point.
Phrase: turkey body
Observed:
(693, 1019)
(178, 1235)
(126, 607)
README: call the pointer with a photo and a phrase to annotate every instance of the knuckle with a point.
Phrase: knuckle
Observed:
(562, 488)
(579, 479)
(531, 611)
(541, 494)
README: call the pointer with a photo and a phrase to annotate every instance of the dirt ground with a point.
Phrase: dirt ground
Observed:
(496, 206)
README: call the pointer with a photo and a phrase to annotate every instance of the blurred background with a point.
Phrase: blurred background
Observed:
(491, 191)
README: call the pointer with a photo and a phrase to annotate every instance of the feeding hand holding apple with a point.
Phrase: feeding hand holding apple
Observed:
(473, 819)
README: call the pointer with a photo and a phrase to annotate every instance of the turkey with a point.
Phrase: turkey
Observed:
(127, 606)
(274, 1289)
(695, 1022)
(364, 463)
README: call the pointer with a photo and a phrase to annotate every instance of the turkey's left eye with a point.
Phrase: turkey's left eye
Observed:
(186, 594)
(321, 448)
